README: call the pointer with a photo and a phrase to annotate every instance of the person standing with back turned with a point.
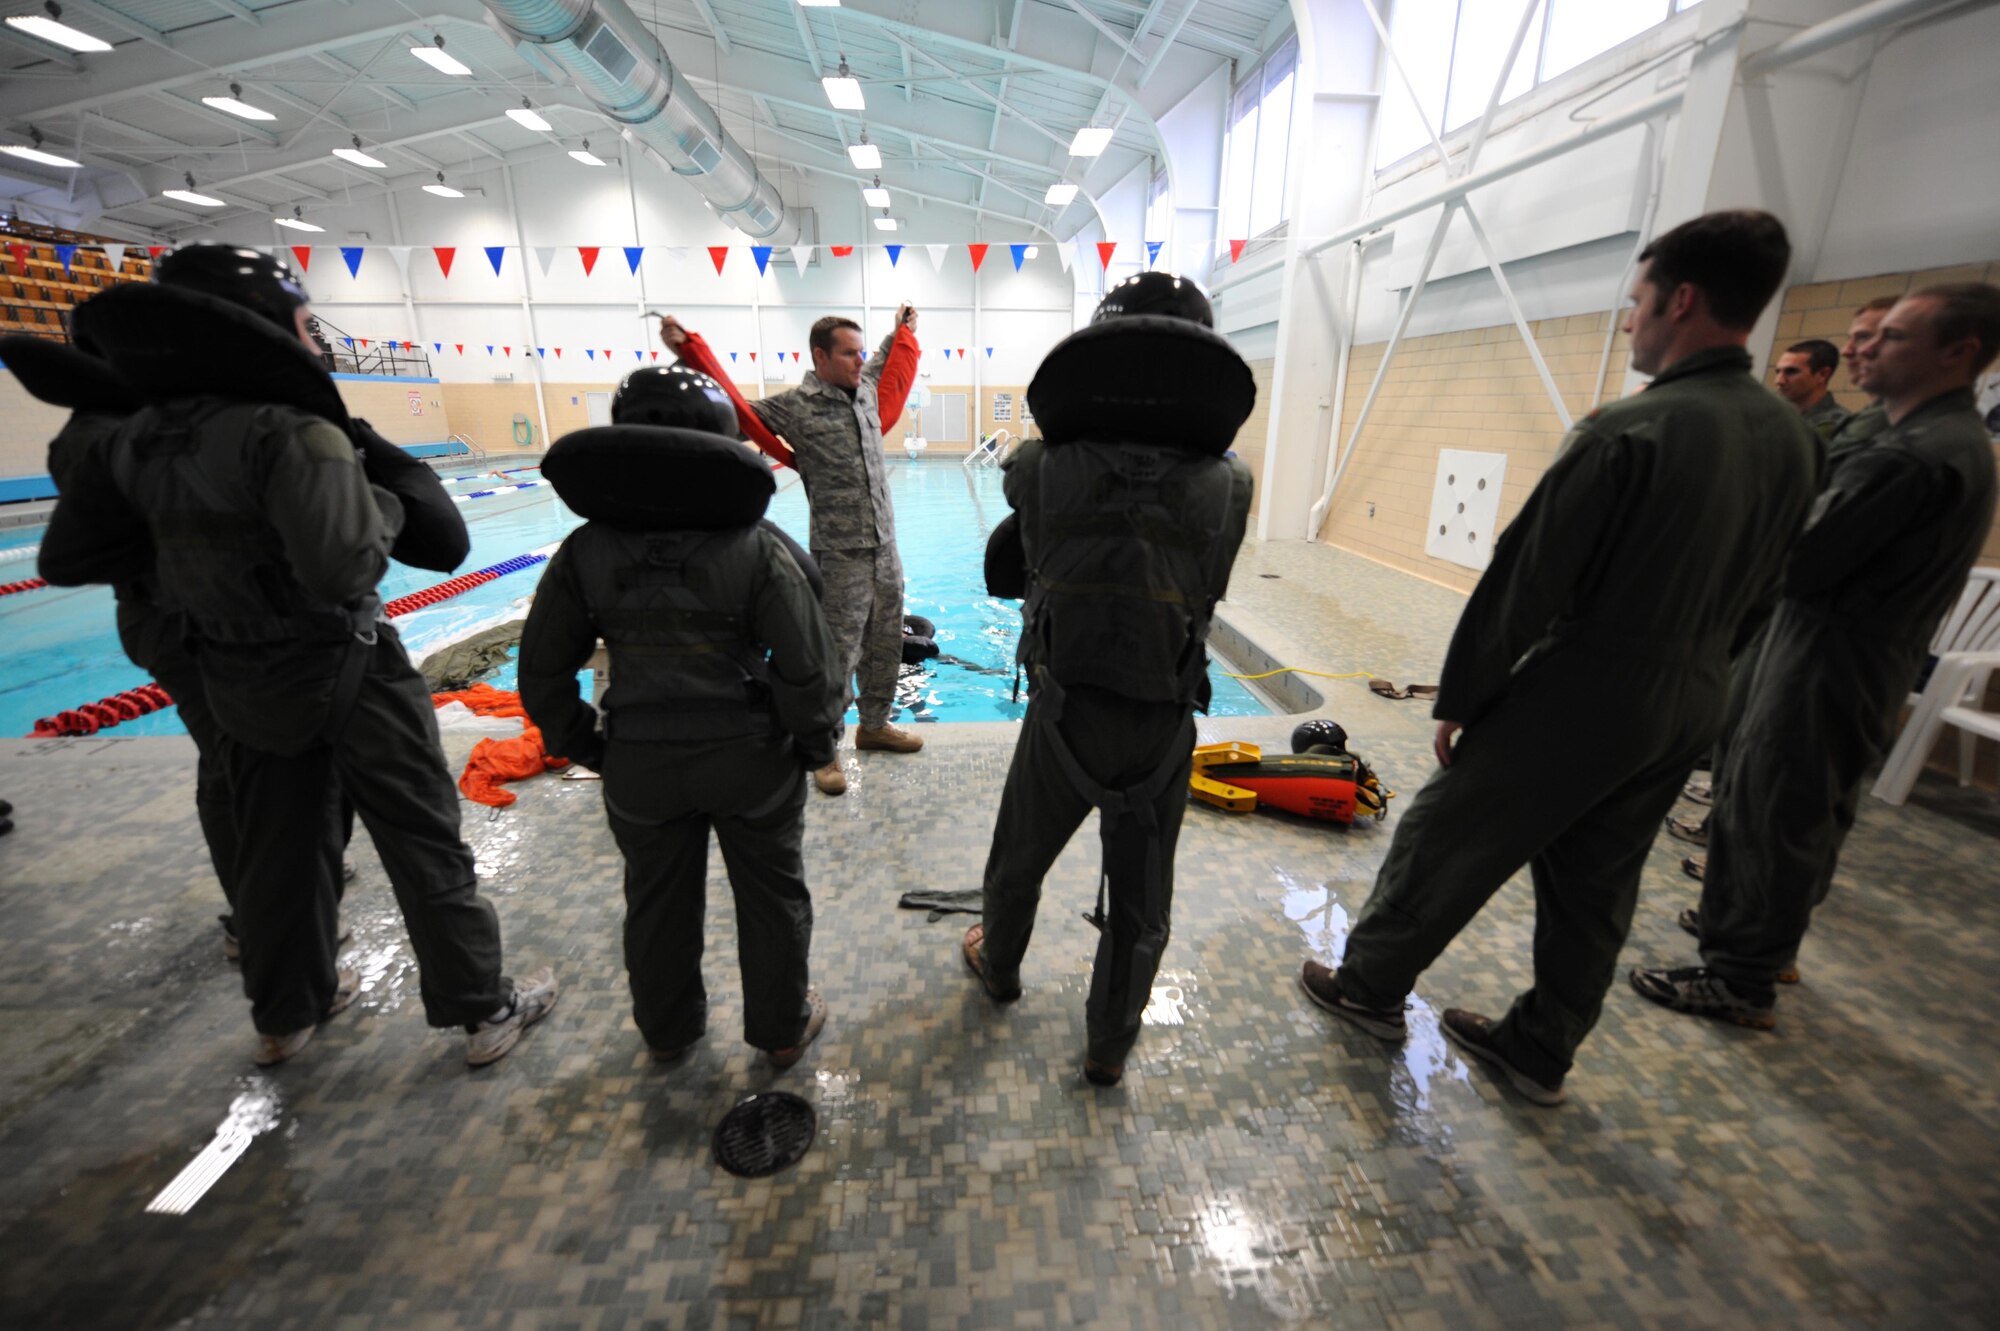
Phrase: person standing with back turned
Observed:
(1601, 629)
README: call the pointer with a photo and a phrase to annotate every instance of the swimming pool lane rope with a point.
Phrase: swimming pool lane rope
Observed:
(25, 585)
(149, 697)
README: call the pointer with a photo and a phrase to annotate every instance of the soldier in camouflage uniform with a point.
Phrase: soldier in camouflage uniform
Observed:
(831, 422)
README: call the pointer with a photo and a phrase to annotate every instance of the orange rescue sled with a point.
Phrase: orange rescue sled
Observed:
(1329, 787)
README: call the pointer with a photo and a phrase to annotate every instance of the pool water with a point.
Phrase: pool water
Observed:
(59, 649)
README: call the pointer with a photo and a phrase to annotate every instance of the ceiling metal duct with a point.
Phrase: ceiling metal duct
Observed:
(618, 65)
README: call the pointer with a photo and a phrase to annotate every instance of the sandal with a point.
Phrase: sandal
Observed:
(1383, 688)
(973, 950)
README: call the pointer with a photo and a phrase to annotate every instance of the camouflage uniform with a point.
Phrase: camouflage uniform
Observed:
(836, 442)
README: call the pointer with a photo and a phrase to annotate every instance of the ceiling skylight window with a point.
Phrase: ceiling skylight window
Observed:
(435, 57)
(236, 106)
(297, 222)
(586, 156)
(1090, 141)
(191, 195)
(360, 158)
(442, 190)
(524, 116)
(54, 31)
(844, 90)
(1060, 193)
(32, 151)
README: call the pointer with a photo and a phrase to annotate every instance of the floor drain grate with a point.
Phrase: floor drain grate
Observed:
(764, 1134)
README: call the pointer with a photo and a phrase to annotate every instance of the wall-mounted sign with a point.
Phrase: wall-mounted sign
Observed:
(1003, 406)
(416, 402)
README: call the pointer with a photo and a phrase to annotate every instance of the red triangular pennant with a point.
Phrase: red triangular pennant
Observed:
(1236, 249)
(753, 355)
(841, 251)
(304, 254)
(364, 343)
(155, 251)
(656, 355)
(445, 254)
(718, 255)
(460, 347)
(507, 352)
(589, 253)
(20, 255)
(1104, 249)
(978, 253)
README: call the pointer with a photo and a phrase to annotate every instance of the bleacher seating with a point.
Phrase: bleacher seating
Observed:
(37, 292)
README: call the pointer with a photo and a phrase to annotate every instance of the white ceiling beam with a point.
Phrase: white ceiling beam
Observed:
(353, 75)
(481, 145)
(721, 34)
(238, 11)
(201, 112)
(1166, 45)
(944, 162)
(143, 31)
(1110, 33)
(55, 55)
(1013, 36)
(299, 187)
(806, 39)
(972, 87)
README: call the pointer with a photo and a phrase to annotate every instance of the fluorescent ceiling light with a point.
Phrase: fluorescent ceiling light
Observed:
(58, 34)
(865, 156)
(524, 116)
(189, 196)
(1090, 141)
(875, 196)
(886, 224)
(844, 90)
(36, 154)
(1060, 193)
(297, 224)
(1032, 252)
(444, 191)
(435, 57)
(819, 4)
(586, 156)
(359, 158)
(242, 110)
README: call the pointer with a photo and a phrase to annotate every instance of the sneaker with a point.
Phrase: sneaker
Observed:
(489, 1041)
(348, 873)
(1102, 1074)
(830, 779)
(1474, 1034)
(1701, 992)
(1324, 989)
(815, 1023)
(275, 1049)
(1695, 867)
(1690, 922)
(887, 739)
(1694, 831)
(1698, 792)
(973, 949)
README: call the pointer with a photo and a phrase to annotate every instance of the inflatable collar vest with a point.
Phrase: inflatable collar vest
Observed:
(171, 343)
(659, 478)
(1146, 379)
(62, 376)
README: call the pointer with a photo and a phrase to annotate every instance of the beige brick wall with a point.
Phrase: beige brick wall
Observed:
(26, 426)
(1823, 309)
(1476, 389)
(1250, 438)
(485, 413)
(385, 404)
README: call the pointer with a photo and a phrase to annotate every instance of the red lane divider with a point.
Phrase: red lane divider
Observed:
(25, 585)
(150, 697)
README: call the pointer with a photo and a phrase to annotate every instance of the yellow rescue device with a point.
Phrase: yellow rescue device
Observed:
(1327, 785)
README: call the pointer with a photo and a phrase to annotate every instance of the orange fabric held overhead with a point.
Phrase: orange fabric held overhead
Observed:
(497, 761)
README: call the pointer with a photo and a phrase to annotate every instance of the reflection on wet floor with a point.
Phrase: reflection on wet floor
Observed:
(251, 1114)
(1262, 1164)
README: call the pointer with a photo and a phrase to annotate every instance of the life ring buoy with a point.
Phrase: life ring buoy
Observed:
(919, 640)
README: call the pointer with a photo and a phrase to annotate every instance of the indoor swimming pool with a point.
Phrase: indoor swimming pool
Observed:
(58, 647)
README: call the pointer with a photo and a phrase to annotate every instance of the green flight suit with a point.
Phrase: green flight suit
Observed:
(1117, 734)
(1826, 416)
(1882, 558)
(1588, 671)
(836, 440)
(725, 690)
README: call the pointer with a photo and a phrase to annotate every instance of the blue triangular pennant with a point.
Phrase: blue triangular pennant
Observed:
(65, 253)
(762, 254)
(590, 352)
(989, 353)
(541, 353)
(638, 355)
(438, 347)
(494, 254)
(1153, 251)
(1019, 252)
(732, 358)
(632, 256)
(895, 253)
(489, 348)
(350, 342)
(352, 254)
(947, 353)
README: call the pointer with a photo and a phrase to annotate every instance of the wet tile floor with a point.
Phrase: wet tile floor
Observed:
(1261, 1166)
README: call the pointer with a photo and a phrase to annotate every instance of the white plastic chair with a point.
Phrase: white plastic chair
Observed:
(1967, 646)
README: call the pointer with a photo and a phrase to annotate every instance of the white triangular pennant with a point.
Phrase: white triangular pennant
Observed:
(545, 256)
(1063, 253)
(937, 253)
(115, 256)
(801, 256)
(678, 253)
(401, 254)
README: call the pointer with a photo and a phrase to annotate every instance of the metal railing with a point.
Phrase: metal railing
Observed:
(990, 451)
(346, 354)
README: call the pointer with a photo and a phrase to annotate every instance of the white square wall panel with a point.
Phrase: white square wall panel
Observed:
(1465, 506)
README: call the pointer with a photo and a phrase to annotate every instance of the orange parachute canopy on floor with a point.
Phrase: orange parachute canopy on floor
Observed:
(497, 761)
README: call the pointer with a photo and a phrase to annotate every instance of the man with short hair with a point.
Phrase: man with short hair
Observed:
(832, 425)
(1801, 376)
(1900, 522)
(1599, 639)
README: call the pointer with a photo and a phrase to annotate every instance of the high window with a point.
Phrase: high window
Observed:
(1452, 50)
(1260, 136)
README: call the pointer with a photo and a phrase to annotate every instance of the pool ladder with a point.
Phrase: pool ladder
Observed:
(990, 451)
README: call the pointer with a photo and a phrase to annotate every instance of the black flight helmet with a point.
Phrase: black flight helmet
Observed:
(673, 395)
(259, 282)
(1157, 293)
